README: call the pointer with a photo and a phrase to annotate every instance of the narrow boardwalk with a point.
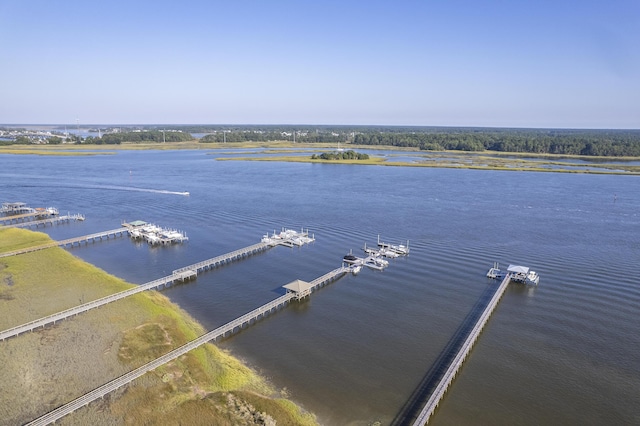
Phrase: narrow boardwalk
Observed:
(70, 242)
(219, 332)
(429, 393)
(45, 222)
(178, 275)
(20, 217)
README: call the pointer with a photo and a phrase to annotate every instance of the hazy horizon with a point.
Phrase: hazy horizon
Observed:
(90, 125)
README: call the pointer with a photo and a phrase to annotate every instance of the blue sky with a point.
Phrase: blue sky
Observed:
(541, 63)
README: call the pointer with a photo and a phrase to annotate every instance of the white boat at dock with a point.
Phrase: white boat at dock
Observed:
(380, 252)
(520, 274)
(373, 262)
(154, 234)
(289, 237)
(400, 249)
(523, 274)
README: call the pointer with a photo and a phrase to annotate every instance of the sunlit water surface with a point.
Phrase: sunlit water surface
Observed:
(565, 352)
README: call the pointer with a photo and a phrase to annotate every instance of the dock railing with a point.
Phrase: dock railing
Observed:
(443, 385)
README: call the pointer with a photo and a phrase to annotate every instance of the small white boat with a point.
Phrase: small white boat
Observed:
(518, 274)
(355, 269)
(400, 249)
(523, 274)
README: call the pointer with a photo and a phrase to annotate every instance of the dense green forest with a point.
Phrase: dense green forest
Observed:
(566, 142)
(539, 141)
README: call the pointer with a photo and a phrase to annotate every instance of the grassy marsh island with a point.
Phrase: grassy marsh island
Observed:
(304, 152)
(52, 366)
(476, 160)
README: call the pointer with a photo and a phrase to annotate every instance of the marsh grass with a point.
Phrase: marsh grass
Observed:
(48, 367)
(14, 239)
(472, 161)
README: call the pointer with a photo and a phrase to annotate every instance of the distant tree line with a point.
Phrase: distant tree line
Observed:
(566, 142)
(540, 141)
(274, 135)
(346, 155)
(137, 137)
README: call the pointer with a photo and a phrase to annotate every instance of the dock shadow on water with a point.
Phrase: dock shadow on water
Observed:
(419, 397)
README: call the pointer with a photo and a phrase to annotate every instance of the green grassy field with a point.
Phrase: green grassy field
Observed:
(49, 367)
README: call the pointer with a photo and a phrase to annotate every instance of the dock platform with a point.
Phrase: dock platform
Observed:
(152, 234)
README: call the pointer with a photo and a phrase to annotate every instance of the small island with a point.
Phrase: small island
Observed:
(340, 155)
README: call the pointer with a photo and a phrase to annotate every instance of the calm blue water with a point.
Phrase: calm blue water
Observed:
(565, 352)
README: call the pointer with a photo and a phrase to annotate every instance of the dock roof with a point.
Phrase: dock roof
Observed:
(298, 286)
(138, 223)
(518, 269)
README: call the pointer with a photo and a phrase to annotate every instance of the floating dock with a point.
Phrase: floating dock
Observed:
(400, 249)
(376, 256)
(152, 234)
(15, 208)
(29, 215)
(220, 332)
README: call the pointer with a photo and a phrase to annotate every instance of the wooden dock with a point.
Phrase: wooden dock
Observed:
(226, 329)
(182, 274)
(455, 364)
(70, 242)
(193, 270)
(45, 222)
(19, 217)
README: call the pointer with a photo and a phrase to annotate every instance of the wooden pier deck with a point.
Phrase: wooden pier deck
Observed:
(70, 242)
(45, 222)
(182, 274)
(456, 362)
(193, 270)
(20, 217)
(228, 328)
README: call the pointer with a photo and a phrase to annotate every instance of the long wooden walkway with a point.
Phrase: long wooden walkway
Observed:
(20, 217)
(178, 275)
(45, 222)
(228, 328)
(70, 242)
(456, 362)
(196, 268)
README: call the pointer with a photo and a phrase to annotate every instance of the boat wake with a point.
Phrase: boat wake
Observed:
(111, 188)
(135, 189)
